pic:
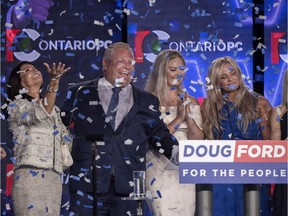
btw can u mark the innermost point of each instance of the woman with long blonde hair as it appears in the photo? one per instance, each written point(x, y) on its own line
point(231, 111)
point(181, 113)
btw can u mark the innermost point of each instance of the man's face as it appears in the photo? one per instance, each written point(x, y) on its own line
point(118, 70)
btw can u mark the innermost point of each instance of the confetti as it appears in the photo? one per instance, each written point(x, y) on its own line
point(128, 142)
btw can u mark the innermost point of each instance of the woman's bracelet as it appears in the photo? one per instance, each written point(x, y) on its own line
point(52, 89)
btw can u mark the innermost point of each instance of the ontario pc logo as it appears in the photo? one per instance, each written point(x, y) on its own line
point(279, 47)
point(19, 42)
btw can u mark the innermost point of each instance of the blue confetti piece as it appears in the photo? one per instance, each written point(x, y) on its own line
point(13, 160)
point(278, 119)
point(106, 19)
point(87, 91)
point(100, 204)
point(30, 206)
point(33, 173)
point(66, 138)
point(55, 132)
point(134, 12)
point(142, 75)
point(23, 116)
point(173, 88)
point(118, 11)
point(232, 86)
point(69, 93)
point(69, 54)
point(262, 127)
point(180, 76)
point(76, 178)
point(182, 68)
point(257, 121)
point(95, 67)
point(88, 206)
point(49, 22)
point(239, 117)
point(107, 166)
point(78, 202)
point(159, 194)
point(151, 122)
point(80, 193)
point(156, 138)
point(153, 180)
point(90, 197)
point(173, 138)
point(177, 126)
point(84, 170)
point(149, 165)
point(81, 116)
point(258, 68)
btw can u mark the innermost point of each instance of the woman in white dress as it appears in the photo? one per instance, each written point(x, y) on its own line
point(181, 113)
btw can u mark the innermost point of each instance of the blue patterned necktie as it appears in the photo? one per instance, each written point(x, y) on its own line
point(111, 112)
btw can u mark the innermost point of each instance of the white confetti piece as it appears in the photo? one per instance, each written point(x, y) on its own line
point(93, 103)
point(45, 101)
point(118, 26)
point(8, 25)
point(74, 109)
point(207, 80)
point(4, 106)
point(193, 82)
point(81, 76)
point(7, 206)
point(262, 17)
point(131, 183)
point(200, 82)
point(87, 180)
point(209, 87)
point(203, 56)
point(186, 102)
point(110, 32)
point(161, 150)
point(18, 96)
point(151, 107)
point(126, 11)
point(89, 120)
point(62, 12)
point(23, 91)
point(192, 88)
point(100, 143)
point(128, 142)
point(81, 175)
point(96, 22)
point(9, 173)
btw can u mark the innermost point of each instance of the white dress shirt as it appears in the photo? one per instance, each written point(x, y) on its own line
point(126, 99)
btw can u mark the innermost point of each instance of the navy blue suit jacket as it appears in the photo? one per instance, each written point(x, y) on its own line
point(141, 125)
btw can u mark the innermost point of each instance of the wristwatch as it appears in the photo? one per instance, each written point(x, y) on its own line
point(52, 89)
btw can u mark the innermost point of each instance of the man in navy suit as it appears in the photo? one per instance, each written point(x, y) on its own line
point(113, 146)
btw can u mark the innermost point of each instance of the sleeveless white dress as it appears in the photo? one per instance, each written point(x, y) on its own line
point(173, 198)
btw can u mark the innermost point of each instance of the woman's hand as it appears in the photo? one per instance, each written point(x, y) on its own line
point(181, 111)
point(56, 72)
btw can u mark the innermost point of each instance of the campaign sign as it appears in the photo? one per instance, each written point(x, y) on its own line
point(233, 161)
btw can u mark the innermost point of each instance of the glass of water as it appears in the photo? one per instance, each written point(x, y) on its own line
point(139, 183)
